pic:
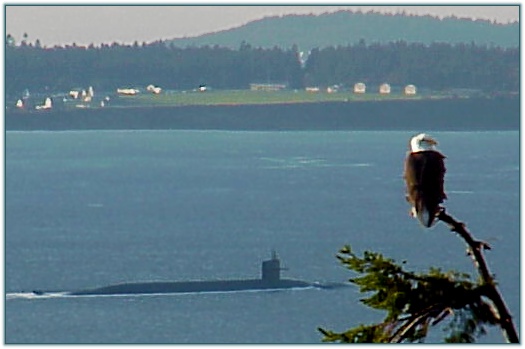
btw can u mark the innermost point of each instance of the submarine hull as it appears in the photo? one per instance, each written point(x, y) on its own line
point(193, 286)
point(270, 280)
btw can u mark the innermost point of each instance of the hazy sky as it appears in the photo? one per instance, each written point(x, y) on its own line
point(61, 24)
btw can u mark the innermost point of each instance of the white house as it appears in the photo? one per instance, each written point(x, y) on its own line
point(127, 91)
point(384, 89)
point(410, 90)
point(312, 89)
point(332, 89)
point(74, 94)
point(48, 104)
point(154, 89)
point(266, 87)
point(359, 88)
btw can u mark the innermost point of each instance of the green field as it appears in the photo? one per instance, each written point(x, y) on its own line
point(237, 97)
point(173, 98)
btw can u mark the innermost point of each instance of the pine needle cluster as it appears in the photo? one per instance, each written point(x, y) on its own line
point(414, 302)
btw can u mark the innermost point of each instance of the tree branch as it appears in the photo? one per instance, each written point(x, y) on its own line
point(415, 320)
point(476, 248)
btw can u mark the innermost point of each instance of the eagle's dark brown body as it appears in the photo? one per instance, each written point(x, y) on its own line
point(424, 176)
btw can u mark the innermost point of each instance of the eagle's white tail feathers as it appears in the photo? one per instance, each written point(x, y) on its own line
point(425, 218)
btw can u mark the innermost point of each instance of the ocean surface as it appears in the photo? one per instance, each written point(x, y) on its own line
point(93, 208)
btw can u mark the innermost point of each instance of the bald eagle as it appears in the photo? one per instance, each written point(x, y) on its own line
point(424, 177)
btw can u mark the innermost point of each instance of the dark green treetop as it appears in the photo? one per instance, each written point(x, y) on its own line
point(414, 302)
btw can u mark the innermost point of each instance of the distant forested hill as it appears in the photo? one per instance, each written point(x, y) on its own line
point(343, 48)
point(347, 27)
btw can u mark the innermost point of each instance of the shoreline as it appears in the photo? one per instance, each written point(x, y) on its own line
point(461, 114)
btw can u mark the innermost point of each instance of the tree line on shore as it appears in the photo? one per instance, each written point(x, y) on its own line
point(436, 66)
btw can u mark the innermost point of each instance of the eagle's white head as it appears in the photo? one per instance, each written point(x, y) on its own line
point(422, 142)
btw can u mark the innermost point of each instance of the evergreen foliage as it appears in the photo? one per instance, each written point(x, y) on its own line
point(344, 28)
point(438, 66)
point(111, 66)
point(414, 302)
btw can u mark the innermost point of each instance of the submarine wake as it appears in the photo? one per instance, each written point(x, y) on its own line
point(37, 295)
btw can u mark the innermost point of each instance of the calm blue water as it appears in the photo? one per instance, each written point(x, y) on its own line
point(86, 209)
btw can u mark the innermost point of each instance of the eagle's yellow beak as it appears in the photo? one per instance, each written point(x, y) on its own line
point(430, 141)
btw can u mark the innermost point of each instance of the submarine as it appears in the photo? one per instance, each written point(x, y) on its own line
point(270, 280)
